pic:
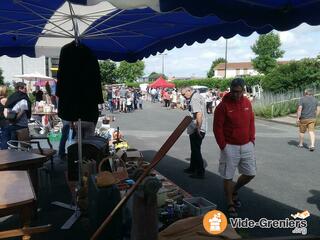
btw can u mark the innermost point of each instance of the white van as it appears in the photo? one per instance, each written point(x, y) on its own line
point(200, 89)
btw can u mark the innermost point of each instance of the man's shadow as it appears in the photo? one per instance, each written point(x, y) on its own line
point(315, 199)
point(205, 162)
point(296, 143)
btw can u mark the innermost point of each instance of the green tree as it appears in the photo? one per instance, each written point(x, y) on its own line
point(292, 76)
point(267, 49)
point(215, 63)
point(1, 77)
point(108, 71)
point(130, 72)
point(154, 76)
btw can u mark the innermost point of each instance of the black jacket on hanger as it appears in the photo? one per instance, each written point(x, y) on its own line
point(79, 84)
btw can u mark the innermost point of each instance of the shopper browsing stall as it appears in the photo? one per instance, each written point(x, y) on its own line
point(18, 111)
point(196, 131)
point(234, 130)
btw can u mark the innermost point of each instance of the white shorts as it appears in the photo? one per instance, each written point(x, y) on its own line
point(237, 156)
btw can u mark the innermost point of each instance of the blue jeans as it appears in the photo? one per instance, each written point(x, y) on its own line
point(110, 103)
point(64, 138)
point(9, 133)
point(2, 139)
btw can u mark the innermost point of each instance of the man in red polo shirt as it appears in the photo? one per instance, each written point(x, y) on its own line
point(234, 130)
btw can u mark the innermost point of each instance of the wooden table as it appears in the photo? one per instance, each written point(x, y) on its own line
point(19, 160)
point(16, 196)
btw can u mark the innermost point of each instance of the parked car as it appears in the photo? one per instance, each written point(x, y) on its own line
point(200, 89)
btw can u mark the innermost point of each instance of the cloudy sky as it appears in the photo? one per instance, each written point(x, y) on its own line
point(195, 60)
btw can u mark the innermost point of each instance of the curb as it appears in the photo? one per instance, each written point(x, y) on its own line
point(276, 121)
point(281, 122)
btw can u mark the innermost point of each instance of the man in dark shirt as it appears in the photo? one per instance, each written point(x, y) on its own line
point(109, 98)
point(38, 94)
point(307, 113)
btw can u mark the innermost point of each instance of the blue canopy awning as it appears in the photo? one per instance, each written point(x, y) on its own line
point(280, 14)
point(117, 30)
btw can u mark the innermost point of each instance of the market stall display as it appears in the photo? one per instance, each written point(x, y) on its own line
point(192, 228)
point(23, 32)
point(44, 117)
point(160, 154)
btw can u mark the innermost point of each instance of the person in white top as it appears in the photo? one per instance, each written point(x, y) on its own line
point(174, 99)
point(17, 110)
point(129, 103)
point(208, 99)
point(153, 94)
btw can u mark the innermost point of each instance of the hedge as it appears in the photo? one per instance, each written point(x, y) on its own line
point(220, 83)
point(133, 84)
point(293, 75)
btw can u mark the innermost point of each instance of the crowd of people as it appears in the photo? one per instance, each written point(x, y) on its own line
point(172, 98)
point(124, 99)
point(16, 109)
point(233, 124)
point(47, 94)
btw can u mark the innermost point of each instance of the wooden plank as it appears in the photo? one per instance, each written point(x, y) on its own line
point(24, 231)
point(16, 189)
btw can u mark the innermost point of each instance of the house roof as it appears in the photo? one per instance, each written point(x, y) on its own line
point(240, 65)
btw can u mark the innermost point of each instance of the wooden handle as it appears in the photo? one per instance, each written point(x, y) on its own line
point(24, 231)
point(100, 164)
point(156, 159)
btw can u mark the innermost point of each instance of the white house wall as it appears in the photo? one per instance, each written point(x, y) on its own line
point(12, 66)
point(232, 73)
point(252, 72)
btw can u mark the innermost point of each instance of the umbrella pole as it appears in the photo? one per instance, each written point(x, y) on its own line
point(79, 153)
point(77, 213)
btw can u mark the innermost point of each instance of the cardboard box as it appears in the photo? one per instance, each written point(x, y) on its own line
point(199, 205)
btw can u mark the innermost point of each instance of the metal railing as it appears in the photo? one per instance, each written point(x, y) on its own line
point(284, 101)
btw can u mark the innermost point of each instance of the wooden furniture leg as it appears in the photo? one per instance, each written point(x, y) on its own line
point(26, 215)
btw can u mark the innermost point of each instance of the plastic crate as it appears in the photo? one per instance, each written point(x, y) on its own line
point(54, 136)
point(199, 205)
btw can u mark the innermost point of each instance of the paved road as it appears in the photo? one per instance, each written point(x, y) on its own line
point(287, 181)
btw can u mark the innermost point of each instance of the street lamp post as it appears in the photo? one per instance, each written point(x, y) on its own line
point(163, 55)
point(225, 59)
point(22, 67)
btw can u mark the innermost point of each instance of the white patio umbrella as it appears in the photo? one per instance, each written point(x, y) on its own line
point(34, 77)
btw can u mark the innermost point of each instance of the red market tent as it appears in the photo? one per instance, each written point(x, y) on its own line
point(161, 83)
